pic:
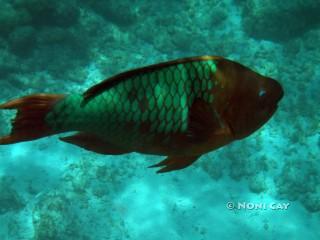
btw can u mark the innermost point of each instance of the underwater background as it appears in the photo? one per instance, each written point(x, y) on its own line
point(50, 190)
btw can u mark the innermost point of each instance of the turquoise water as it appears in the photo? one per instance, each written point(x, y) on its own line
point(50, 190)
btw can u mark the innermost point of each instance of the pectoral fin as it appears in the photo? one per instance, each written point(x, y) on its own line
point(93, 143)
point(205, 122)
point(173, 163)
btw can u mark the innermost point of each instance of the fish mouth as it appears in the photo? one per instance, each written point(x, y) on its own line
point(280, 92)
point(273, 110)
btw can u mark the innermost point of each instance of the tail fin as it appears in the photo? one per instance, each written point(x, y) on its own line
point(29, 123)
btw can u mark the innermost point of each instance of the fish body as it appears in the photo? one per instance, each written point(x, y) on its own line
point(181, 109)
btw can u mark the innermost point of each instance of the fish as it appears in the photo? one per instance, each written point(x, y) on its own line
point(180, 109)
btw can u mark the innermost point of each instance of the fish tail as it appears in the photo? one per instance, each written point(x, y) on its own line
point(30, 121)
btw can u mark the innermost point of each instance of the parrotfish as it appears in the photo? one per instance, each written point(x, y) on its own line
point(181, 109)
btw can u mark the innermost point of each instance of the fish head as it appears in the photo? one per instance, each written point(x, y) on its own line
point(253, 100)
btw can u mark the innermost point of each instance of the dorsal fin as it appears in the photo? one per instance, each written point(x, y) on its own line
point(113, 81)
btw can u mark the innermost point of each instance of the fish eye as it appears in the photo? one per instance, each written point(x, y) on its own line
point(262, 93)
point(262, 100)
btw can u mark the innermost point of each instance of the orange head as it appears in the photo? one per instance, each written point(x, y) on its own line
point(252, 98)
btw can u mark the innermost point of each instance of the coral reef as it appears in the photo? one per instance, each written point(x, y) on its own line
point(300, 180)
point(51, 216)
point(42, 31)
point(10, 200)
point(49, 13)
point(279, 20)
point(257, 183)
point(110, 11)
point(62, 212)
point(213, 166)
point(67, 46)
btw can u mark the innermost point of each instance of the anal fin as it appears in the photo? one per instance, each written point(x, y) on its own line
point(93, 143)
point(172, 163)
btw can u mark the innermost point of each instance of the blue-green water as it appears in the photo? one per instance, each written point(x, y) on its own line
point(50, 190)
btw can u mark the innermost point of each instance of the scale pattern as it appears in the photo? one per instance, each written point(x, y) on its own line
point(160, 99)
